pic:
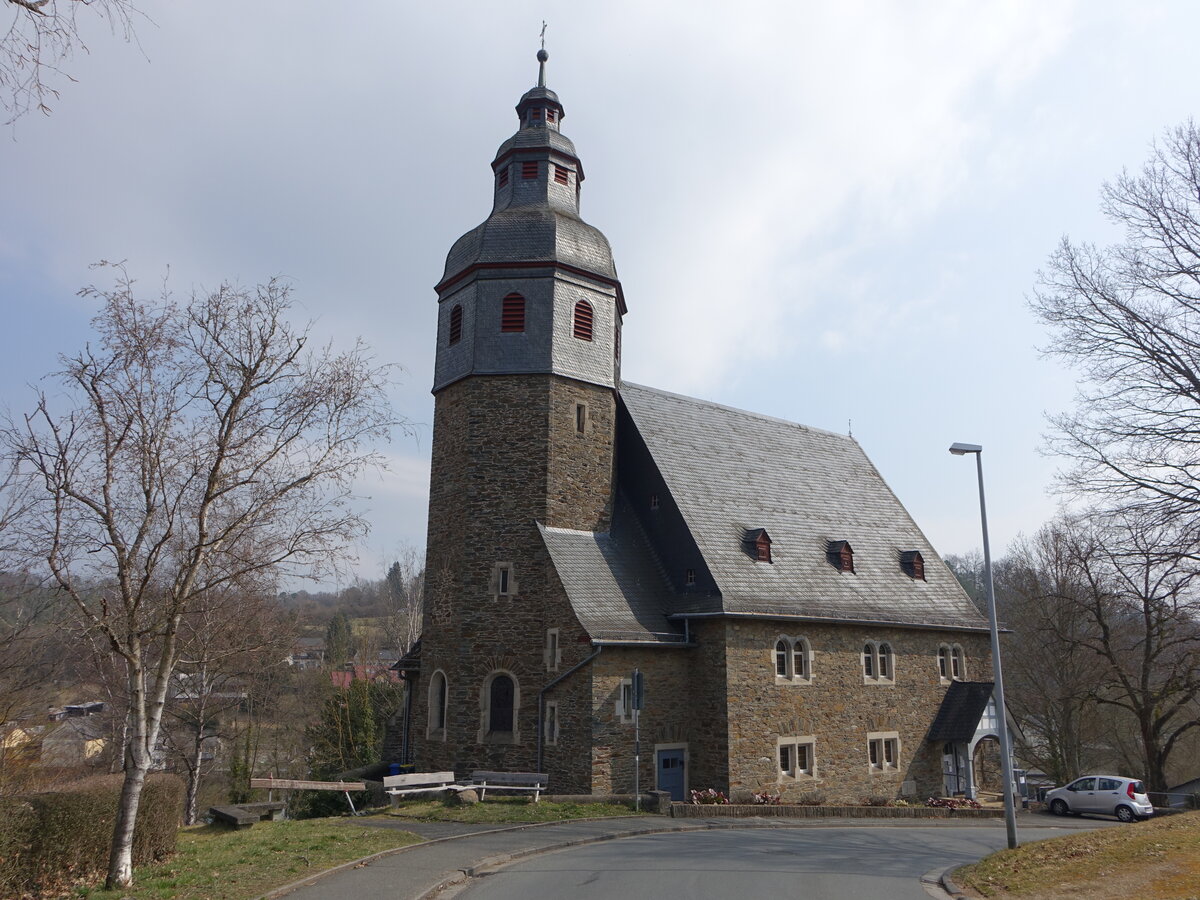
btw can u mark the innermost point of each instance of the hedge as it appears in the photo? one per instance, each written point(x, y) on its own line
point(62, 837)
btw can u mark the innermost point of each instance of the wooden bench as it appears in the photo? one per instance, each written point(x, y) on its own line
point(510, 781)
point(245, 815)
point(398, 786)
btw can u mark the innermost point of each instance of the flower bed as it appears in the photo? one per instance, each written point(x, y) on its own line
point(783, 810)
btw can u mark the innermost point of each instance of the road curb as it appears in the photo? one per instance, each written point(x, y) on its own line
point(367, 860)
point(950, 886)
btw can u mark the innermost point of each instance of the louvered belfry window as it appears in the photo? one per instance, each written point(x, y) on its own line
point(529, 169)
point(560, 174)
point(512, 313)
point(502, 178)
point(456, 324)
point(583, 320)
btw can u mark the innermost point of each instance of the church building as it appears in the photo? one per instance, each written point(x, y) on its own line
point(793, 629)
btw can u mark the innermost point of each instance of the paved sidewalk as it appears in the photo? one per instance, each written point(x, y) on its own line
point(453, 851)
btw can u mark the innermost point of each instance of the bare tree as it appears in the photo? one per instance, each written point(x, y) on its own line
point(40, 37)
point(405, 601)
point(207, 445)
point(1051, 669)
point(1138, 587)
point(227, 638)
point(1127, 318)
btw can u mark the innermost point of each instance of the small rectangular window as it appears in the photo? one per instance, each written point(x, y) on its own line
point(560, 174)
point(502, 178)
point(581, 417)
point(551, 722)
point(883, 751)
point(690, 576)
point(512, 314)
point(553, 653)
point(654, 501)
point(625, 701)
point(529, 170)
point(503, 580)
point(551, 115)
point(785, 760)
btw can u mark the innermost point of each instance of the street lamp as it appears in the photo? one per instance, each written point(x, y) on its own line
point(1010, 813)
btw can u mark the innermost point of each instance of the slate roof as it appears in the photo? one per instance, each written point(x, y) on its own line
point(729, 471)
point(961, 710)
point(532, 234)
point(614, 581)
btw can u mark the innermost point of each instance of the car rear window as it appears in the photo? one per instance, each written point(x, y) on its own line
point(1139, 788)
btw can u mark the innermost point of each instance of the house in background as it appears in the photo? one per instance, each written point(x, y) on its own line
point(792, 627)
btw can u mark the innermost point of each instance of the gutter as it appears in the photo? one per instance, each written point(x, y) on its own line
point(834, 620)
point(571, 671)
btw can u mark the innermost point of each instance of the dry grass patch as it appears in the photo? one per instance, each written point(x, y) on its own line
point(1155, 860)
point(215, 863)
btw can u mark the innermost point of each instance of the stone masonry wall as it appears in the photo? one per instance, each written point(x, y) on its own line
point(838, 708)
point(506, 456)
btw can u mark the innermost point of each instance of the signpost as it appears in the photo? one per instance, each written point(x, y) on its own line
point(638, 695)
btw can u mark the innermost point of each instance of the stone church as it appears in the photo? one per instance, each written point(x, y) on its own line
point(794, 630)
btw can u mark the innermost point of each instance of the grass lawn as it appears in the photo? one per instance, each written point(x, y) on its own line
point(505, 811)
point(221, 864)
point(1154, 860)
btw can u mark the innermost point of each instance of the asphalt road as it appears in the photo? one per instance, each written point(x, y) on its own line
point(814, 863)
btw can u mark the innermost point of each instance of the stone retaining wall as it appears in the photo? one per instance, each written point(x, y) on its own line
point(741, 810)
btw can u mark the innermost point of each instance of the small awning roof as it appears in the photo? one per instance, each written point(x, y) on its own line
point(960, 712)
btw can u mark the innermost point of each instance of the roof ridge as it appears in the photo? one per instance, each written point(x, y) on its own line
point(762, 417)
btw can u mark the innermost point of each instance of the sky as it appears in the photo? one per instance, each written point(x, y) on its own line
point(828, 213)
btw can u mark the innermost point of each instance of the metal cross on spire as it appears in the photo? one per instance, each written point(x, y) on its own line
point(542, 56)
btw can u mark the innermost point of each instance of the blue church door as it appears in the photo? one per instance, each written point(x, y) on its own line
point(672, 776)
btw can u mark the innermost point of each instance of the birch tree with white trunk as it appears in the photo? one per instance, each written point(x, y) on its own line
point(193, 445)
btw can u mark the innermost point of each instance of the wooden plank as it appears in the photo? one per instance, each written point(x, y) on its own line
point(293, 784)
point(414, 778)
point(510, 777)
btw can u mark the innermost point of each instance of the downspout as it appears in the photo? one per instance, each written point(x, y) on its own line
point(571, 671)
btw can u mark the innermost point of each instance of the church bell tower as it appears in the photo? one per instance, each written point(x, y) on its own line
point(525, 382)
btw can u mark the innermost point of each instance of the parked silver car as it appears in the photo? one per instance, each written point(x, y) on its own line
point(1106, 795)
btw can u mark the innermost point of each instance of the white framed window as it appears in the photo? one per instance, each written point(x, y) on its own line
point(793, 660)
point(878, 663)
point(439, 696)
point(582, 419)
point(883, 751)
point(550, 723)
point(952, 663)
point(552, 655)
point(504, 580)
point(625, 702)
point(796, 758)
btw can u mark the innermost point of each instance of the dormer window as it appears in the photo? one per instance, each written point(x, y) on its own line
point(529, 170)
point(757, 544)
point(840, 555)
point(512, 313)
point(913, 564)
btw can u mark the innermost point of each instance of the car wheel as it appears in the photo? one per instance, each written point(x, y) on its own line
point(1059, 808)
point(1125, 814)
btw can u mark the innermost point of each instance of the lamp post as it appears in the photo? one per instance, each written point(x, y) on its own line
point(1010, 813)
